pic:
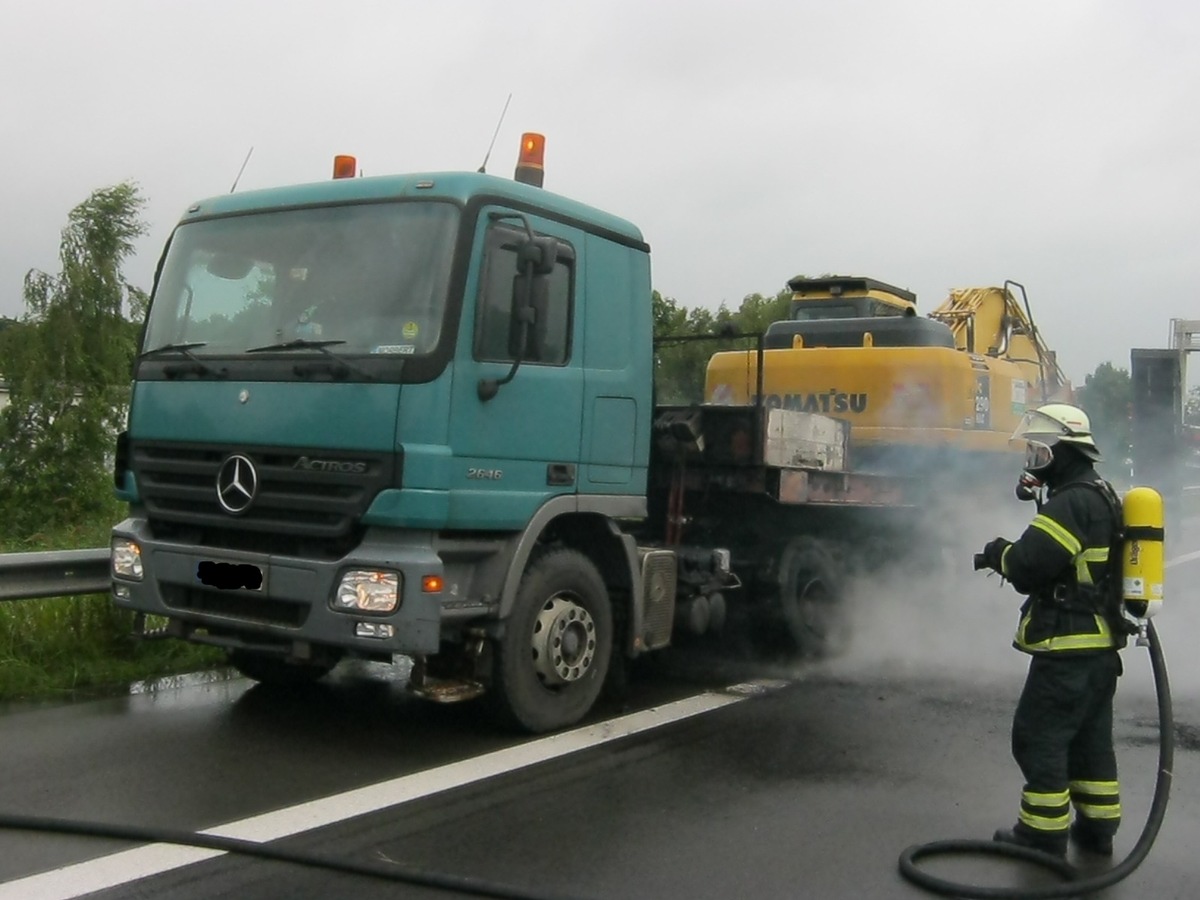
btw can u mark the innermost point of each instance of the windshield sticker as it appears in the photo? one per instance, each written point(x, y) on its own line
point(411, 329)
point(398, 349)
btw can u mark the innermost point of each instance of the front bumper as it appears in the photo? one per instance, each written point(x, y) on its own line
point(292, 607)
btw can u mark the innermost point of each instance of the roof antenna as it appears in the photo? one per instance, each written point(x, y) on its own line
point(483, 166)
point(241, 170)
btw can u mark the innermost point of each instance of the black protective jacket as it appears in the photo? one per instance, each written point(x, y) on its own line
point(1060, 561)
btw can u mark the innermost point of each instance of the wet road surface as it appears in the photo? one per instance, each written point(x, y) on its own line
point(810, 788)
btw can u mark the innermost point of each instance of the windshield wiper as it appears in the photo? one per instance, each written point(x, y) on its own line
point(197, 366)
point(297, 344)
point(184, 348)
point(337, 368)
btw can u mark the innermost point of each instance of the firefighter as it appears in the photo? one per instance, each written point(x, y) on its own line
point(1063, 562)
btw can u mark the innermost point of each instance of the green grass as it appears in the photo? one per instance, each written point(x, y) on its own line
point(64, 646)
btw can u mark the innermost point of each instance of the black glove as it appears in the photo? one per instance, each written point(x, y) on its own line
point(993, 553)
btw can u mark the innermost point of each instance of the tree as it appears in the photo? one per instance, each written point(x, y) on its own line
point(679, 362)
point(682, 353)
point(757, 311)
point(67, 363)
point(1106, 396)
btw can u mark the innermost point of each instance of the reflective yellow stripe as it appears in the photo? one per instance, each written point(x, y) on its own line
point(1105, 811)
point(1004, 560)
point(1101, 640)
point(1096, 788)
point(1044, 823)
point(1063, 537)
point(1083, 574)
point(1046, 811)
point(1060, 798)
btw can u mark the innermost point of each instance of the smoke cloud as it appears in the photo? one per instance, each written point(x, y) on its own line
point(936, 617)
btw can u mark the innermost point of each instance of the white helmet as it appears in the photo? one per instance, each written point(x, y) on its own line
point(1046, 426)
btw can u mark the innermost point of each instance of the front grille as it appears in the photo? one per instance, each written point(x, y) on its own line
point(235, 606)
point(266, 543)
point(178, 485)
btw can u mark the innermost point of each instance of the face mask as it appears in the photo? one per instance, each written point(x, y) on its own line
point(1037, 456)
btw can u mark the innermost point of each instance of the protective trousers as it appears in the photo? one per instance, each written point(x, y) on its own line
point(1062, 740)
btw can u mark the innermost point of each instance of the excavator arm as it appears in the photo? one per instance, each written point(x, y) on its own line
point(989, 321)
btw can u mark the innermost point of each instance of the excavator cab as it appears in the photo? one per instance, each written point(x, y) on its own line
point(842, 297)
point(840, 311)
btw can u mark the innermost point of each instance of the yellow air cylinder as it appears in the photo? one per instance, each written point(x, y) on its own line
point(1142, 563)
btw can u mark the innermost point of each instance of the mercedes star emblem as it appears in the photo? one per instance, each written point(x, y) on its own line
point(237, 483)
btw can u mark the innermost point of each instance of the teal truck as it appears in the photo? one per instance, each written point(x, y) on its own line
point(413, 416)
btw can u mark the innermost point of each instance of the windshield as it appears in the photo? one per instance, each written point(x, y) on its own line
point(372, 277)
point(812, 310)
point(815, 310)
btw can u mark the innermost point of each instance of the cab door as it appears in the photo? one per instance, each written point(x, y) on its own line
point(515, 435)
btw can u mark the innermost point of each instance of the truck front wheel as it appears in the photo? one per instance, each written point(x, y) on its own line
point(551, 662)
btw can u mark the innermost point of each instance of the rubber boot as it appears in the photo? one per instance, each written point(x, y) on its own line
point(1021, 837)
point(1091, 841)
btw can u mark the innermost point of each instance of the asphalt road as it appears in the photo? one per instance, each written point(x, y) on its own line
point(807, 784)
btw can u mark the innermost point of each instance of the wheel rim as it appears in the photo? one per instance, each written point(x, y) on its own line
point(814, 609)
point(564, 641)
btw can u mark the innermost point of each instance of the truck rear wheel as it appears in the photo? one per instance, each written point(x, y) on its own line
point(550, 665)
point(811, 585)
point(267, 669)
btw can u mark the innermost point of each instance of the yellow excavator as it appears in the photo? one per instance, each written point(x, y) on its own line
point(920, 392)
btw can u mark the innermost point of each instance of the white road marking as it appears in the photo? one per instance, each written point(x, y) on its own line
point(142, 862)
point(1187, 557)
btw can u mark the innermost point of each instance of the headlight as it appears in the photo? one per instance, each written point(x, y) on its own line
point(127, 559)
point(368, 590)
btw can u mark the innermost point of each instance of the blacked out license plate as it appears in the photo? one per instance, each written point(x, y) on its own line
point(229, 576)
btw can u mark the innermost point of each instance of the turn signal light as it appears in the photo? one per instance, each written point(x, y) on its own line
point(432, 584)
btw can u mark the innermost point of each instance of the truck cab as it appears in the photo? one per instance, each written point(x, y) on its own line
point(395, 416)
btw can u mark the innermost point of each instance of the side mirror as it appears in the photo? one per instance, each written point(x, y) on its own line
point(541, 251)
point(530, 316)
point(536, 257)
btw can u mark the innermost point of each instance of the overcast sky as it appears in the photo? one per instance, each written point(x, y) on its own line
point(928, 143)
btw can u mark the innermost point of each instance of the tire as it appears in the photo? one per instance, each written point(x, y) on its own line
point(275, 670)
point(811, 588)
point(551, 663)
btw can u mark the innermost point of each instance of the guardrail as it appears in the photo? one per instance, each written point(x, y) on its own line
point(54, 573)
